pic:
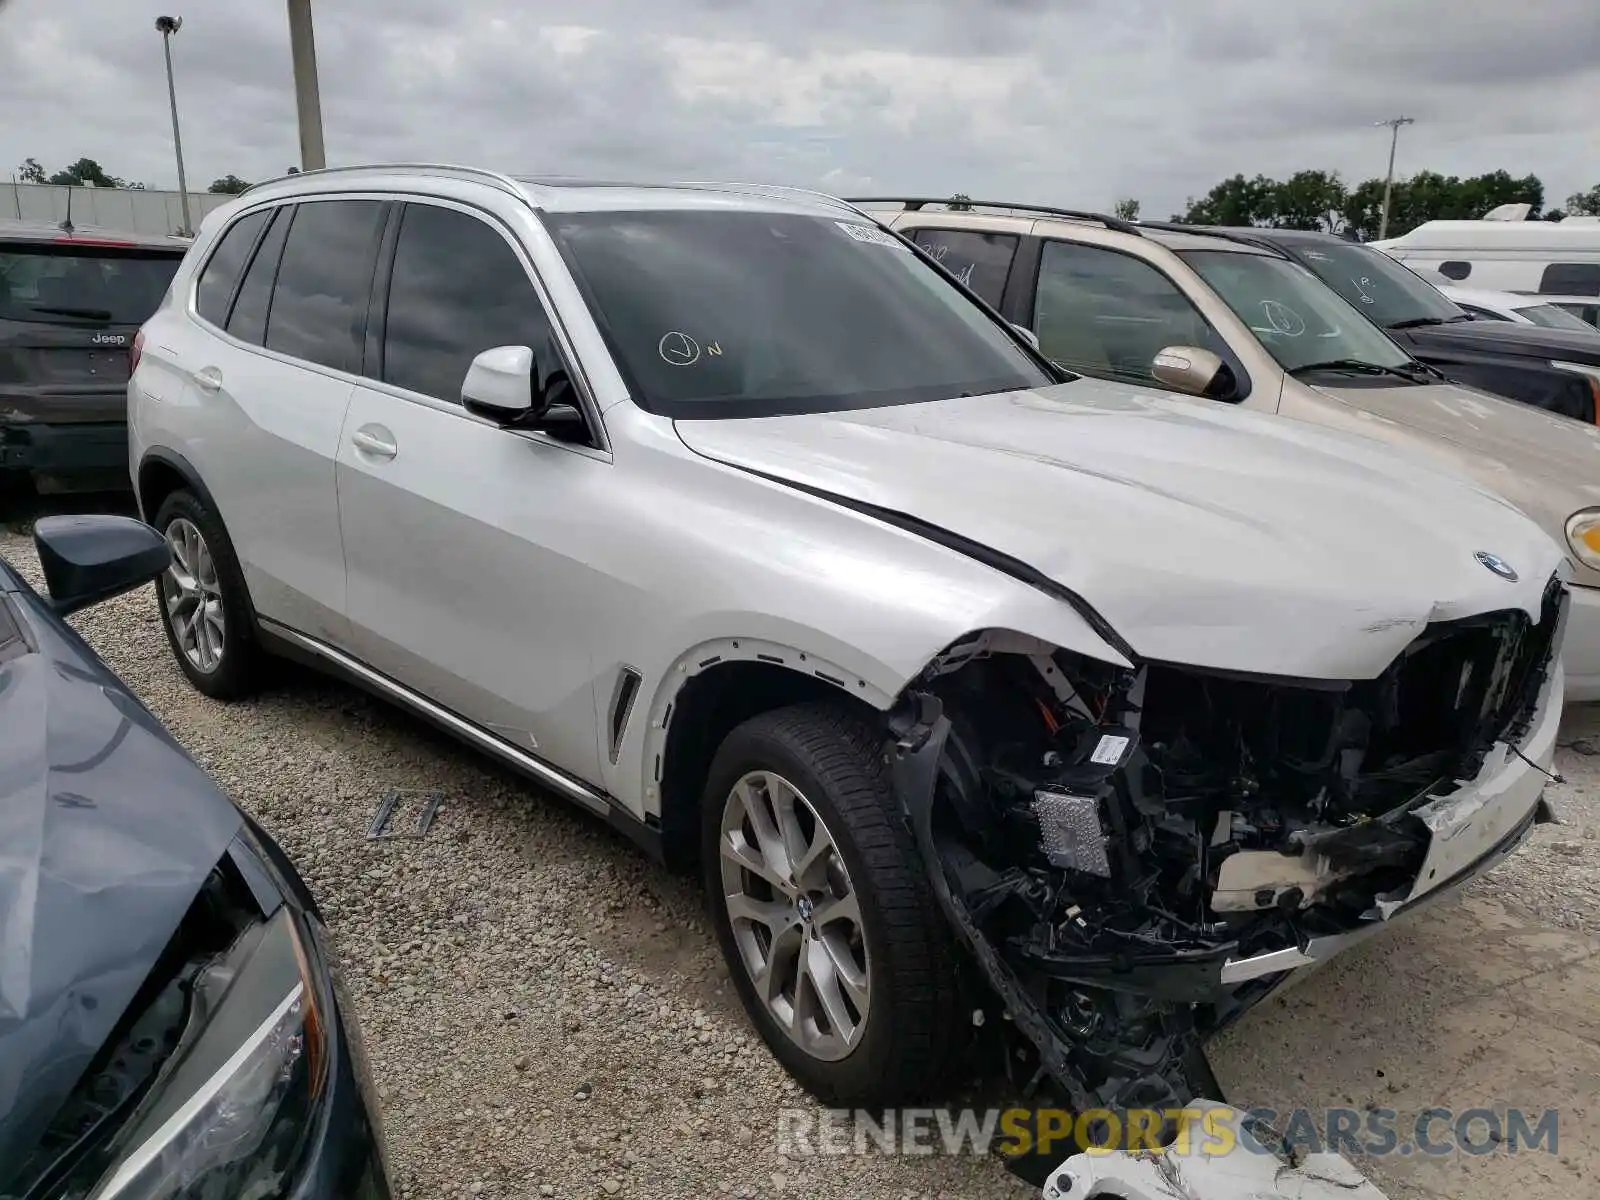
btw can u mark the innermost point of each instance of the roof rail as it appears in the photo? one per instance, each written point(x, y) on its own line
point(777, 191)
point(1244, 235)
point(504, 182)
point(918, 203)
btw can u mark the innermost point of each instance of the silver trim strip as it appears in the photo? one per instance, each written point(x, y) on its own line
point(594, 801)
point(158, 1141)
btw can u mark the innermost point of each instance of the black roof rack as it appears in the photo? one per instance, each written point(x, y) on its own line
point(1244, 235)
point(918, 203)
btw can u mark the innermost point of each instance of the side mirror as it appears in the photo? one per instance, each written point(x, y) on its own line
point(500, 385)
point(1188, 369)
point(90, 559)
point(1028, 335)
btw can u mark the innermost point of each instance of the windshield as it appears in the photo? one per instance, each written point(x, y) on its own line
point(1299, 320)
point(1384, 291)
point(1552, 317)
point(738, 314)
point(46, 286)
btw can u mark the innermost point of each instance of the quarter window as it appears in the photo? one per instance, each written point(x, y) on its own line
point(248, 321)
point(1571, 279)
point(1455, 270)
point(982, 261)
point(457, 289)
point(319, 306)
point(220, 275)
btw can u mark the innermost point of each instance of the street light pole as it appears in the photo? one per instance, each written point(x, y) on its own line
point(169, 26)
point(307, 101)
point(1394, 124)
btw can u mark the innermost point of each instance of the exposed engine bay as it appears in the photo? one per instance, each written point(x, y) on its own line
point(1106, 841)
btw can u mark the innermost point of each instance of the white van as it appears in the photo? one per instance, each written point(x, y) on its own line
point(1558, 258)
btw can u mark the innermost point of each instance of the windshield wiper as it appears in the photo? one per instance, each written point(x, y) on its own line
point(1418, 322)
point(1358, 366)
point(88, 314)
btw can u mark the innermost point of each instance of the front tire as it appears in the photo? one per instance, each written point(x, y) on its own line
point(822, 908)
point(203, 603)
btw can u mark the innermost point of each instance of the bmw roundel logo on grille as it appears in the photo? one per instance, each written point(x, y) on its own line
point(1496, 564)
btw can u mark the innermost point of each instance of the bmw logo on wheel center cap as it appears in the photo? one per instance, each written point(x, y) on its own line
point(1496, 564)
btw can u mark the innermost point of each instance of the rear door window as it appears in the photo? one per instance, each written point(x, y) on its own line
point(218, 278)
point(982, 261)
point(319, 306)
point(1571, 279)
point(68, 285)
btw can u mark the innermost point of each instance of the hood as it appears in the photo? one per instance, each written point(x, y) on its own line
point(1506, 437)
point(1503, 337)
point(1548, 465)
point(107, 832)
point(1202, 534)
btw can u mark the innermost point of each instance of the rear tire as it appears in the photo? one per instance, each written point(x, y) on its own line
point(830, 930)
point(204, 606)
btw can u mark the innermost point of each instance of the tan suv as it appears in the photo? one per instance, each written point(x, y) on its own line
point(1243, 324)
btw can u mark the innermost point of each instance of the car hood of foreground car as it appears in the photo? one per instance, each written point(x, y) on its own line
point(1203, 534)
point(107, 832)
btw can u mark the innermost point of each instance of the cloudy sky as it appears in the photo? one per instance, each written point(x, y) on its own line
point(1074, 102)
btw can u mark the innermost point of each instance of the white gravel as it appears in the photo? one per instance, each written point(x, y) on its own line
point(545, 1009)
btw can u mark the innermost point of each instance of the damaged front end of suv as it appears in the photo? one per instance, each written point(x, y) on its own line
point(1133, 857)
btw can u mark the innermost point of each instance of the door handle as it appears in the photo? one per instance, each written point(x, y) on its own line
point(374, 440)
point(208, 379)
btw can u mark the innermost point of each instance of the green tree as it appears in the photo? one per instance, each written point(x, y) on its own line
point(1584, 204)
point(1478, 194)
point(960, 202)
point(86, 170)
point(1127, 208)
point(1309, 200)
point(30, 171)
point(228, 185)
point(1235, 201)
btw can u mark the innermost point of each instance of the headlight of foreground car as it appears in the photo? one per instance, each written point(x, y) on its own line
point(230, 1115)
point(1583, 535)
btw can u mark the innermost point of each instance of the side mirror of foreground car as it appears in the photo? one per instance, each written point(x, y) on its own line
point(1190, 370)
point(90, 559)
point(500, 385)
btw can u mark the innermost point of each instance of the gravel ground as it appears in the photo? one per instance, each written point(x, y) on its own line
point(545, 1009)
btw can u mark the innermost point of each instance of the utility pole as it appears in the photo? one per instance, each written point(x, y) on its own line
point(167, 27)
point(307, 100)
point(1394, 124)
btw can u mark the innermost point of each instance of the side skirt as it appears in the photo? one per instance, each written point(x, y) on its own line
point(308, 651)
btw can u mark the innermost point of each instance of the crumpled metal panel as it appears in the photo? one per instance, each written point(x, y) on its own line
point(107, 831)
point(1184, 1171)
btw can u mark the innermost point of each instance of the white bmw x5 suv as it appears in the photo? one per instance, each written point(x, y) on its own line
point(969, 686)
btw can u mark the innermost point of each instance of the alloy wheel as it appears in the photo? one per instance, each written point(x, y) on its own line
point(192, 596)
point(796, 917)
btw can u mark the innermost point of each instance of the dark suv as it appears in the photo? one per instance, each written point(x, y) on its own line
point(1555, 369)
point(71, 301)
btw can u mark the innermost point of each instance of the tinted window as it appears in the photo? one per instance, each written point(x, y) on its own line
point(1455, 270)
point(457, 289)
point(715, 314)
point(1105, 313)
point(319, 307)
point(1380, 288)
point(248, 321)
point(52, 285)
point(980, 260)
point(1571, 279)
point(223, 268)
